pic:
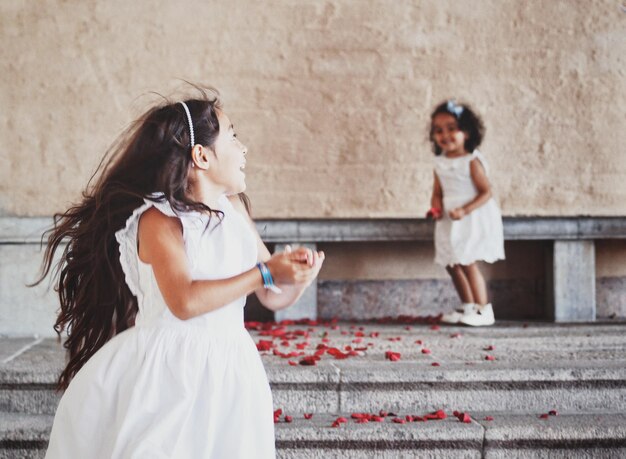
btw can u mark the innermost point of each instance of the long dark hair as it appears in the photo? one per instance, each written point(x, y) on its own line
point(468, 121)
point(152, 155)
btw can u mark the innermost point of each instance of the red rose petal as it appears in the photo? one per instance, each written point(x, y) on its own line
point(553, 413)
point(488, 418)
point(490, 357)
point(382, 413)
point(264, 345)
point(341, 419)
point(435, 327)
point(398, 421)
point(292, 363)
point(335, 424)
point(378, 418)
point(425, 351)
point(309, 360)
point(456, 335)
point(464, 417)
point(544, 416)
point(439, 414)
point(456, 413)
point(362, 421)
point(419, 341)
point(435, 364)
point(288, 419)
point(393, 356)
point(490, 348)
point(308, 415)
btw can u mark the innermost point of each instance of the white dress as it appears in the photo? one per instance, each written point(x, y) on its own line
point(168, 388)
point(478, 235)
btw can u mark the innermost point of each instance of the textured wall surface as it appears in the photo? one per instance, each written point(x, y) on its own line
point(332, 98)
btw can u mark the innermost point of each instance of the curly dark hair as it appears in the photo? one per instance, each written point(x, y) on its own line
point(467, 120)
point(152, 155)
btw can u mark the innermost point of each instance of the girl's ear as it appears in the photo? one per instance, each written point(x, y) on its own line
point(200, 157)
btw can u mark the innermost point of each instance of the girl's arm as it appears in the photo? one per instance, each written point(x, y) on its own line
point(309, 261)
point(481, 182)
point(436, 200)
point(161, 245)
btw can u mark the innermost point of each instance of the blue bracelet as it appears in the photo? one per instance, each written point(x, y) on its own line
point(268, 281)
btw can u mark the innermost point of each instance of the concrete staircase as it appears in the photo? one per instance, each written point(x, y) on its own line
point(579, 371)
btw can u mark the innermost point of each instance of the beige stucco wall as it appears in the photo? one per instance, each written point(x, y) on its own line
point(332, 97)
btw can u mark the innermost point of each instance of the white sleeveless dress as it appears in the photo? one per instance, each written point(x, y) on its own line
point(168, 388)
point(478, 235)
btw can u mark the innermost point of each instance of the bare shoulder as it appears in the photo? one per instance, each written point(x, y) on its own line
point(156, 230)
point(153, 219)
point(476, 166)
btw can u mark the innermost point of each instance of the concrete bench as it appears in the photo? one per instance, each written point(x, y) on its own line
point(570, 282)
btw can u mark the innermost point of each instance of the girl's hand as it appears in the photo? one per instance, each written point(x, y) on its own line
point(458, 213)
point(434, 213)
point(310, 258)
point(295, 267)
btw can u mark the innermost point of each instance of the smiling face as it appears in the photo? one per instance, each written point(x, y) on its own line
point(229, 160)
point(447, 135)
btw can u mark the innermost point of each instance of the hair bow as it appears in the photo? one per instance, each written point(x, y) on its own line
point(455, 108)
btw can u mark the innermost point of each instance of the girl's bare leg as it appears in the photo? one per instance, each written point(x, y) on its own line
point(476, 283)
point(461, 283)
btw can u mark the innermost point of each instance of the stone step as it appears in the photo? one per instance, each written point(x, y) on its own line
point(524, 435)
point(538, 367)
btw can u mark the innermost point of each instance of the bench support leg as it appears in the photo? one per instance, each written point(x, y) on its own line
point(306, 306)
point(571, 282)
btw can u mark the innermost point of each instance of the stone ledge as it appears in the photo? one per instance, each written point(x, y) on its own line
point(28, 230)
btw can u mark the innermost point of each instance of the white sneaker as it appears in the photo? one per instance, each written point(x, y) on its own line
point(455, 316)
point(480, 316)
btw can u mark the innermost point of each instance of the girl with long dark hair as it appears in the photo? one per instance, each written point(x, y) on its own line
point(159, 257)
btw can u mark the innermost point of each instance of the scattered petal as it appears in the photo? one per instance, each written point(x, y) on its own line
point(264, 345)
point(544, 416)
point(288, 419)
point(488, 418)
point(393, 356)
point(435, 327)
point(439, 414)
point(292, 363)
point(398, 421)
point(491, 347)
point(308, 415)
point(490, 357)
point(435, 364)
point(309, 360)
point(553, 413)
point(425, 351)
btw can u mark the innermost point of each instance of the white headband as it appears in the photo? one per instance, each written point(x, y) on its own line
point(190, 123)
